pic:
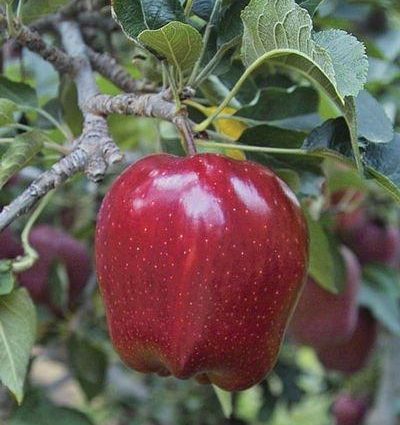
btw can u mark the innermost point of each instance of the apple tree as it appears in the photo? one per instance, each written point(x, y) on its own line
point(199, 216)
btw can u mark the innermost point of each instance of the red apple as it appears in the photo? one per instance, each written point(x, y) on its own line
point(322, 318)
point(371, 240)
point(200, 262)
point(351, 356)
point(54, 246)
point(349, 410)
point(9, 246)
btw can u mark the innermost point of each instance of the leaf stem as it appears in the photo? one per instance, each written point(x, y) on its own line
point(173, 87)
point(48, 145)
point(258, 62)
point(206, 38)
point(19, 8)
point(209, 68)
point(350, 116)
point(249, 148)
point(30, 255)
point(10, 20)
point(204, 124)
point(188, 7)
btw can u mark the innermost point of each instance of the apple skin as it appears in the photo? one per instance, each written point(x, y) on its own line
point(371, 240)
point(9, 247)
point(54, 245)
point(351, 356)
point(322, 318)
point(349, 410)
point(200, 262)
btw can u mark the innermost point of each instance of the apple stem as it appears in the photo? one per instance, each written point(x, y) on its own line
point(185, 129)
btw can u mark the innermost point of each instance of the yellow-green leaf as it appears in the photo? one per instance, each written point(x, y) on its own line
point(180, 44)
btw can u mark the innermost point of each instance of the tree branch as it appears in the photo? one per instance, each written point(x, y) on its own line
point(94, 151)
point(107, 66)
point(103, 63)
point(34, 42)
point(145, 105)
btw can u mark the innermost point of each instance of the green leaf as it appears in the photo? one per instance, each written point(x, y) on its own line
point(277, 103)
point(381, 163)
point(172, 146)
point(225, 400)
point(349, 60)
point(17, 336)
point(203, 8)
point(268, 135)
point(230, 26)
point(7, 109)
point(343, 179)
point(24, 147)
point(89, 364)
point(36, 410)
point(350, 116)
point(381, 294)
point(180, 44)
point(373, 123)
point(326, 262)
point(7, 279)
point(35, 9)
point(59, 286)
point(19, 93)
point(280, 32)
point(385, 183)
point(136, 16)
point(310, 5)
point(384, 158)
point(230, 77)
point(290, 177)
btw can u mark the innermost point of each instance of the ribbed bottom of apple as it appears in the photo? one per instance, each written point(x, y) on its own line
point(228, 381)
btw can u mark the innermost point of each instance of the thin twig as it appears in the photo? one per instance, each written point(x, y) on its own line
point(34, 42)
point(107, 66)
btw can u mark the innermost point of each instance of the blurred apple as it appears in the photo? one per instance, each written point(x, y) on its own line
point(9, 246)
point(351, 356)
point(323, 318)
point(372, 240)
point(349, 410)
point(56, 247)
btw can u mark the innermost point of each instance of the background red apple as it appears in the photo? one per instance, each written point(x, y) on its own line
point(10, 247)
point(372, 240)
point(351, 356)
point(349, 410)
point(54, 246)
point(200, 261)
point(322, 318)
